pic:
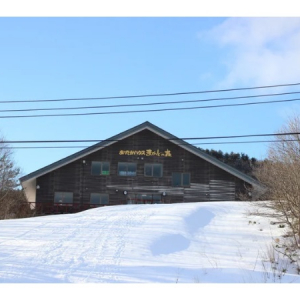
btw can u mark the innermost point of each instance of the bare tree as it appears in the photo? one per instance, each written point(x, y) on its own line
point(12, 199)
point(280, 173)
point(8, 170)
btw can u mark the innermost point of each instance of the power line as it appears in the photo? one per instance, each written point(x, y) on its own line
point(153, 95)
point(149, 104)
point(246, 142)
point(150, 110)
point(169, 139)
point(213, 143)
point(45, 147)
point(242, 136)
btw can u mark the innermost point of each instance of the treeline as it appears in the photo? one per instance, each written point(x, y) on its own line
point(240, 161)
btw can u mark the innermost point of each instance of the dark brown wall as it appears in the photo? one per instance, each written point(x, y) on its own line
point(208, 182)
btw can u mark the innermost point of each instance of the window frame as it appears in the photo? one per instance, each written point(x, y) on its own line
point(101, 168)
point(127, 165)
point(152, 168)
point(100, 200)
point(182, 174)
point(61, 202)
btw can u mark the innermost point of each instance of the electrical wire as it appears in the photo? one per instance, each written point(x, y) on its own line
point(246, 142)
point(169, 139)
point(194, 144)
point(153, 95)
point(150, 110)
point(148, 104)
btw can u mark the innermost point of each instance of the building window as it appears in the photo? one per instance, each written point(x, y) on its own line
point(100, 168)
point(63, 197)
point(126, 169)
point(181, 179)
point(153, 170)
point(99, 198)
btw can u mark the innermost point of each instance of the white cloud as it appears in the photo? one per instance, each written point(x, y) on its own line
point(259, 50)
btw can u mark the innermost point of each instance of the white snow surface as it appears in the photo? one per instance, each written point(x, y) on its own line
point(204, 242)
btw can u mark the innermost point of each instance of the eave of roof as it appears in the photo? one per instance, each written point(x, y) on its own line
point(129, 132)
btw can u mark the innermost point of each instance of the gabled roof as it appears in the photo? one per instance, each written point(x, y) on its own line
point(134, 130)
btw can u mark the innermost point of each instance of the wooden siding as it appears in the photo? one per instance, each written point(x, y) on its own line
point(208, 182)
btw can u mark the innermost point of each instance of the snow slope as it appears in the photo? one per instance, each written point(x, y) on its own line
point(191, 242)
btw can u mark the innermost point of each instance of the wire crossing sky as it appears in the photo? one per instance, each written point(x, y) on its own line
point(170, 139)
point(155, 95)
point(150, 110)
point(157, 103)
point(194, 144)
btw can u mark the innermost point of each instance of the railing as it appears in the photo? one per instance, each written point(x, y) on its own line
point(48, 208)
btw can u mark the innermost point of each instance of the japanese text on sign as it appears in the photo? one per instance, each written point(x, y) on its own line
point(148, 152)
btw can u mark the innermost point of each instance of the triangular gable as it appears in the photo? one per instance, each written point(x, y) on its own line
point(132, 131)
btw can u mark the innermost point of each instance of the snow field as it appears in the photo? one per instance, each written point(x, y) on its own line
point(167, 243)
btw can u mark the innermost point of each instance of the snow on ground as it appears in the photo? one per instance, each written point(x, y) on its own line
point(215, 242)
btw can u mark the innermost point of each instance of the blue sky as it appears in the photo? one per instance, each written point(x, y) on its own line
point(54, 58)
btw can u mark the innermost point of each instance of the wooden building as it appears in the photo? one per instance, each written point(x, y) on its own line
point(144, 164)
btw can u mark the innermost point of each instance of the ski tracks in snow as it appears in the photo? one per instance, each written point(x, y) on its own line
point(90, 251)
point(108, 248)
